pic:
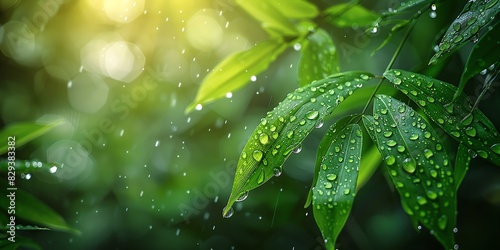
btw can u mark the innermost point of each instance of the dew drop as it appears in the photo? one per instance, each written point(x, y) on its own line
point(421, 200)
point(391, 143)
point(442, 221)
point(277, 172)
point(409, 166)
point(331, 177)
point(328, 185)
point(297, 149)
point(297, 46)
point(319, 124)
point(311, 115)
point(390, 160)
point(264, 138)
point(198, 107)
point(242, 197)
point(397, 81)
point(257, 155)
point(253, 78)
point(261, 177)
point(401, 149)
point(455, 134)
point(471, 131)
point(347, 191)
point(431, 194)
point(413, 137)
point(496, 148)
point(229, 213)
point(388, 133)
point(482, 153)
point(428, 153)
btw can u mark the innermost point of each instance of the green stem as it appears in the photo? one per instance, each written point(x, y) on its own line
point(393, 59)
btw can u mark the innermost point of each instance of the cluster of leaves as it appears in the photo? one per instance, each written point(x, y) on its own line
point(419, 165)
point(28, 208)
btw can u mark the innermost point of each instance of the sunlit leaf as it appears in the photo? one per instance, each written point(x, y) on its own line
point(417, 165)
point(29, 208)
point(285, 127)
point(296, 9)
point(462, 162)
point(270, 16)
point(323, 147)
point(318, 58)
point(24, 132)
point(335, 189)
point(27, 166)
point(349, 15)
point(370, 160)
point(474, 16)
point(466, 125)
point(483, 55)
point(236, 71)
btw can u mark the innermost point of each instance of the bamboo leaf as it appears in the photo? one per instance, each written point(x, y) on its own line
point(335, 189)
point(285, 127)
point(463, 123)
point(347, 15)
point(318, 58)
point(474, 16)
point(483, 55)
point(462, 162)
point(25, 132)
point(236, 70)
point(417, 164)
point(404, 6)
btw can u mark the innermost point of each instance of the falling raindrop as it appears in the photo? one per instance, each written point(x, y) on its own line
point(277, 172)
point(297, 149)
point(253, 78)
point(229, 213)
point(53, 169)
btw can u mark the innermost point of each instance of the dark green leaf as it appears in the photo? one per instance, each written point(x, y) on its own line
point(270, 17)
point(323, 147)
point(349, 15)
point(318, 58)
point(466, 125)
point(474, 16)
point(404, 6)
point(286, 126)
point(20, 243)
point(335, 189)
point(29, 208)
point(394, 29)
point(417, 164)
point(484, 54)
point(236, 70)
point(25, 132)
point(462, 162)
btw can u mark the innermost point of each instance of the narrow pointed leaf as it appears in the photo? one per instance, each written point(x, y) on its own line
point(270, 16)
point(323, 147)
point(347, 15)
point(394, 29)
point(23, 166)
point(335, 189)
point(462, 162)
point(25, 132)
point(463, 123)
point(474, 16)
point(318, 58)
point(404, 6)
point(29, 208)
point(370, 160)
point(417, 164)
point(236, 70)
point(296, 9)
point(483, 55)
point(286, 126)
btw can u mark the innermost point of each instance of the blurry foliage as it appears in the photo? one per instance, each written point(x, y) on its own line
point(96, 94)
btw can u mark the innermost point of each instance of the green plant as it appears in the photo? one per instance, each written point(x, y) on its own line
point(419, 161)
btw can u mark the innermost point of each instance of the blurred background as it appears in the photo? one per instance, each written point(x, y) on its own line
point(136, 172)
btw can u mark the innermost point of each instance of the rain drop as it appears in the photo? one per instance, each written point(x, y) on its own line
point(264, 138)
point(297, 149)
point(409, 166)
point(257, 155)
point(198, 107)
point(311, 115)
point(496, 148)
point(277, 172)
point(253, 78)
point(390, 160)
point(229, 213)
point(242, 197)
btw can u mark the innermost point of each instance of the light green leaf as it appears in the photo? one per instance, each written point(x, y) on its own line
point(24, 132)
point(323, 147)
point(484, 54)
point(27, 166)
point(335, 189)
point(296, 9)
point(318, 58)
point(370, 160)
point(348, 15)
point(285, 127)
point(474, 16)
point(236, 70)
point(462, 162)
point(463, 123)
point(29, 208)
point(417, 164)
point(270, 16)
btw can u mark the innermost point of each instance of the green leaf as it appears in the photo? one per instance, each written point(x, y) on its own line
point(404, 6)
point(20, 243)
point(474, 16)
point(394, 29)
point(29, 208)
point(463, 123)
point(484, 54)
point(370, 160)
point(24, 166)
point(349, 15)
point(323, 147)
point(24, 132)
point(270, 16)
point(286, 126)
point(462, 162)
point(318, 58)
point(296, 9)
point(335, 189)
point(417, 165)
point(236, 70)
